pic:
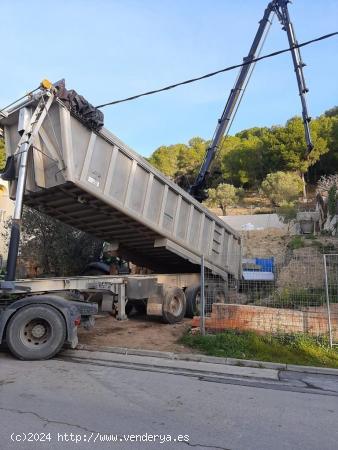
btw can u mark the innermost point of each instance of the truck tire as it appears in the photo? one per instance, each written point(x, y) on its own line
point(220, 293)
point(193, 296)
point(137, 306)
point(92, 272)
point(36, 332)
point(174, 305)
point(213, 294)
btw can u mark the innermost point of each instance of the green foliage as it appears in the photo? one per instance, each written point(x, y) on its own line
point(223, 196)
point(175, 160)
point(331, 112)
point(282, 187)
point(332, 200)
point(287, 212)
point(284, 348)
point(292, 145)
point(292, 298)
point(57, 248)
point(248, 157)
point(2, 154)
point(296, 243)
point(165, 159)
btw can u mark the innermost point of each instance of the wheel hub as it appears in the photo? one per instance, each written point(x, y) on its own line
point(175, 306)
point(38, 331)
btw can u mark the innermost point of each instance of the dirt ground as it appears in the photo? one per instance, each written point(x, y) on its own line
point(265, 243)
point(140, 332)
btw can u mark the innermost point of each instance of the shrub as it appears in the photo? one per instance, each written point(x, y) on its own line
point(282, 187)
point(223, 196)
point(332, 200)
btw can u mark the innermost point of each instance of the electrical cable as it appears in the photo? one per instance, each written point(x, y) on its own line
point(211, 74)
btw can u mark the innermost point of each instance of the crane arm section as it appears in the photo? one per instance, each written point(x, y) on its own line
point(279, 7)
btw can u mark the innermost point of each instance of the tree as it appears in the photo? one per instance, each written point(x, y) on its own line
point(327, 128)
point(248, 157)
point(58, 249)
point(2, 154)
point(242, 165)
point(190, 158)
point(180, 161)
point(331, 112)
point(223, 196)
point(282, 188)
point(165, 159)
point(292, 146)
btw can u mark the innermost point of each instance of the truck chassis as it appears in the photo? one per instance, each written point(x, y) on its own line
point(40, 315)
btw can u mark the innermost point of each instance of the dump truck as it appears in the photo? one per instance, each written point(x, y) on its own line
point(61, 161)
point(64, 163)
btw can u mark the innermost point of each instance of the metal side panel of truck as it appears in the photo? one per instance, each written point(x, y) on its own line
point(96, 183)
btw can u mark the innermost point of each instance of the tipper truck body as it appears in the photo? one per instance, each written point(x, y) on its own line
point(88, 178)
point(94, 182)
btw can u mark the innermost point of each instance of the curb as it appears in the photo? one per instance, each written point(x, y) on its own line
point(210, 359)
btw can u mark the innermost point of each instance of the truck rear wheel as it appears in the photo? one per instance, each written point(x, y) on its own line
point(174, 305)
point(36, 332)
point(213, 294)
point(193, 295)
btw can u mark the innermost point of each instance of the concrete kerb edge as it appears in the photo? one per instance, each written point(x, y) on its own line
point(211, 359)
point(207, 359)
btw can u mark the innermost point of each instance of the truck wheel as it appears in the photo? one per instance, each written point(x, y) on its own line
point(129, 307)
point(193, 295)
point(92, 272)
point(139, 306)
point(220, 294)
point(213, 294)
point(174, 305)
point(36, 332)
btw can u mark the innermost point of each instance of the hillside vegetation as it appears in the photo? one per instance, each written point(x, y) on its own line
point(245, 159)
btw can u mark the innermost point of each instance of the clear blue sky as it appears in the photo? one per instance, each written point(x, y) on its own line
point(108, 49)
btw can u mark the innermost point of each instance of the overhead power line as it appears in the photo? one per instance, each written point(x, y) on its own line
point(212, 74)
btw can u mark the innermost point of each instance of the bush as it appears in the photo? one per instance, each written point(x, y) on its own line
point(332, 200)
point(223, 196)
point(282, 188)
point(56, 248)
point(296, 243)
point(287, 213)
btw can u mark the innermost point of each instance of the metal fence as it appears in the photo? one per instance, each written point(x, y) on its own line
point(331, 294)
point(293, 293)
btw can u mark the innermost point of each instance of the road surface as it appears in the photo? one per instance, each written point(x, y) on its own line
point(92, 400)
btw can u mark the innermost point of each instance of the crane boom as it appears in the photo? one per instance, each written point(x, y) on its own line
point(280, 8)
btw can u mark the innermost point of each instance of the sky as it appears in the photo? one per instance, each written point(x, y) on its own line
point(110, 49)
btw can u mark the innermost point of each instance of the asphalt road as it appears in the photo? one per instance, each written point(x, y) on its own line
point(87, 397)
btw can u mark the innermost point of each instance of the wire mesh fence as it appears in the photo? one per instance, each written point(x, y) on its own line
point(293, 293)
point(331, 293)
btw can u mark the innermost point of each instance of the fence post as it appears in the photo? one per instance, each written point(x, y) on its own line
point(202, 306)
point(328, 302)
